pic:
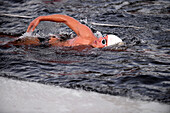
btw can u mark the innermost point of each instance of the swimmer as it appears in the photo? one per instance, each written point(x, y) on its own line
point(84, 34)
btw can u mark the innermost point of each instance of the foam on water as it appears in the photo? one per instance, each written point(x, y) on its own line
point(28, 35)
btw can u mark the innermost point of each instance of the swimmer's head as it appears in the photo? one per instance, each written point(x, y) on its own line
point(112, 40)
point(108, 41)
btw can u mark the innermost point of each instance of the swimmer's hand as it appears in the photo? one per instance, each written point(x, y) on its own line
point(34, 24)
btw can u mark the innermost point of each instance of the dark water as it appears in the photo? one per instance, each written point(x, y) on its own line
point(140, 69)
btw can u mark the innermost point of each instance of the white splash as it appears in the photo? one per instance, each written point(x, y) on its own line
point(29, 35)
point(98, 34)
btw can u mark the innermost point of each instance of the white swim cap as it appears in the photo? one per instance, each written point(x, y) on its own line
point(113, 39)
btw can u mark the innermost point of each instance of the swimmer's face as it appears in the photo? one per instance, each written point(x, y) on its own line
point(101, 42)
point(107, 41)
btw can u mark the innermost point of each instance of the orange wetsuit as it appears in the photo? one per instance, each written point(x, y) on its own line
point(84, 34)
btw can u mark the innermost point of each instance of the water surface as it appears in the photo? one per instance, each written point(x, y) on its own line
point(140, 69)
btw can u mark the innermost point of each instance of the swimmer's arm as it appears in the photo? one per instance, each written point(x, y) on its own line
point(73, 24)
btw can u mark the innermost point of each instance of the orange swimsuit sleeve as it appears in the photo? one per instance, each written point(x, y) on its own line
point(69, 21)
point(83, 32)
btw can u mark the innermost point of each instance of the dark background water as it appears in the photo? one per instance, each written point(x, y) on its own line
point(140, 69)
